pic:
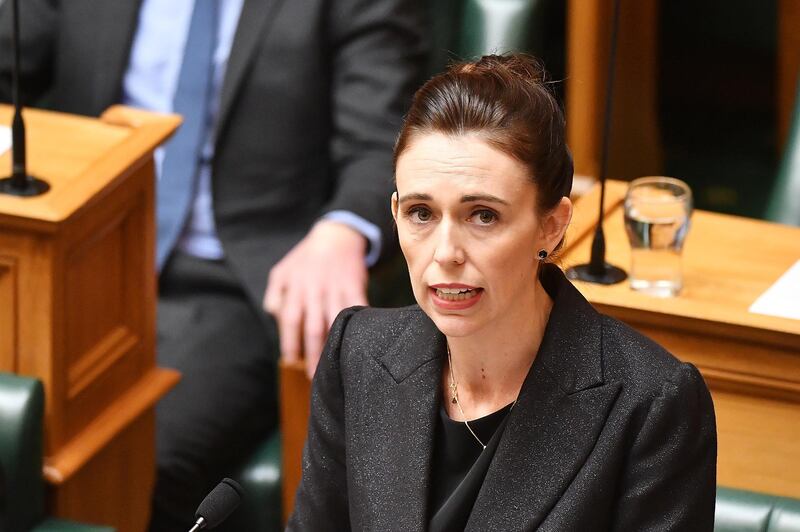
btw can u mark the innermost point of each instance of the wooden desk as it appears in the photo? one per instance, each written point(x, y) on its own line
point(751, 362)
point(77, 306)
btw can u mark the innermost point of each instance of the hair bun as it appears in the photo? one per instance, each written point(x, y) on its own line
point(523, 67)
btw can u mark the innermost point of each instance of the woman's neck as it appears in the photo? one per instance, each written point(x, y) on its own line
point(491, 365)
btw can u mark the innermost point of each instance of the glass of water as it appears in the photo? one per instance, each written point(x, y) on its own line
point(657, 214)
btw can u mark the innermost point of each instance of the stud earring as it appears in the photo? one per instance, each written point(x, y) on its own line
point(542, 254)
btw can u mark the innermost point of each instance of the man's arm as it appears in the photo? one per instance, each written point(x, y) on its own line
point(377, 56)
point(38, 33)
point(379, 53)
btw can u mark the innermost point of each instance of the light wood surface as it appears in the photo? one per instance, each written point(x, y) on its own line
point(295, 399)
point(77, 266)
point(751, 362)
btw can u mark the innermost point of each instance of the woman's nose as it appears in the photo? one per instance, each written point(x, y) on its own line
point(448, 250)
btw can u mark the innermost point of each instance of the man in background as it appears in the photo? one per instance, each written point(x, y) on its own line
point(273, 194)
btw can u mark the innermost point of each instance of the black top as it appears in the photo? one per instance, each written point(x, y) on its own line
point(459, 466)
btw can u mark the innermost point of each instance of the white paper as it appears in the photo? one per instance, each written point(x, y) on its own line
point(5, 138)
point(782, 299)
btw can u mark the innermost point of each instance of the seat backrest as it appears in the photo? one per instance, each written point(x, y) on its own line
point(467, 29)
point(21, 412)
point(784, 204)
point(745, 511)
point(498, 26)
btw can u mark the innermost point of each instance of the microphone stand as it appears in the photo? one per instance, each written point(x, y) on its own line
point(598, 270)
point(20, 183)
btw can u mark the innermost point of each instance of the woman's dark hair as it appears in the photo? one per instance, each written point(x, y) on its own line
point(506, 100)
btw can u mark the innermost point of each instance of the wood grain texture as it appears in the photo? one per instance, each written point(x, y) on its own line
point(751, 362)
point(114, 487)
point(636, 141)
point(116, 417)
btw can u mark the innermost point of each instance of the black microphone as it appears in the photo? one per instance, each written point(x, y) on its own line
point(19, 183)
point(218, 505)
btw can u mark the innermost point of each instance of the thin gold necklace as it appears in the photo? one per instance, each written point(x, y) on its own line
point(455, 401)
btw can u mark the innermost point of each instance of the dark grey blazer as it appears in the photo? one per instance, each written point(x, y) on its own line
point(610, 432)
point(313, 97)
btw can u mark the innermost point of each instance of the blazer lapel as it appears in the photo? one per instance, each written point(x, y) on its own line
point(250, 31)
point(402, 419)
point(561, 410)
point(116, 24)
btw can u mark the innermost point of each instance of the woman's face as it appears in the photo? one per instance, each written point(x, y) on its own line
point(469, 229)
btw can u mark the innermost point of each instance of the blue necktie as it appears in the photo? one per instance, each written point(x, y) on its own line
point(176, 184)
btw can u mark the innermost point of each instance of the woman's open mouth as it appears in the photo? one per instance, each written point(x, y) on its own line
point(455, 296)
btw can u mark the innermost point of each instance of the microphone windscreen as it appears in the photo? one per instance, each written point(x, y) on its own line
point(220, 503)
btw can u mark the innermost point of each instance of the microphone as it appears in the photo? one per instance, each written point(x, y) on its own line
point(598, 270)
point(20, 183)
point(218, 505)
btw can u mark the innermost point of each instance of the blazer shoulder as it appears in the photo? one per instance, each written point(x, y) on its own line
point(401, 340)
point(376, 329)
point(382, 325)
point(642, 365)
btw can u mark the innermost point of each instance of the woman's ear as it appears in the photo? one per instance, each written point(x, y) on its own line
point(556, 223)
point(394, 206)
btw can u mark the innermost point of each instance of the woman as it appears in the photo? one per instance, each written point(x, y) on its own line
point(503, 401)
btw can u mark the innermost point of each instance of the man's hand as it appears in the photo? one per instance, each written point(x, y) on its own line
point(323, 274)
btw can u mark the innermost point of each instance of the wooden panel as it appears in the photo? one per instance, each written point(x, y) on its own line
point(295, 401)
point(8, 314)
point(758, 443)
point(635, 147)
point(94, 496)
point(115, 417)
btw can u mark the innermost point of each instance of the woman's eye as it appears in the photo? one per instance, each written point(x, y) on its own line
point(484, 217)
point(419, 214)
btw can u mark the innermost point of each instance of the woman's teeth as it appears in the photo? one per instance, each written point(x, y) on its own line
point(456, 294)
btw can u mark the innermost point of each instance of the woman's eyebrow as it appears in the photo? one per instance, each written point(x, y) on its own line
point(415, 196)
point(483, 197)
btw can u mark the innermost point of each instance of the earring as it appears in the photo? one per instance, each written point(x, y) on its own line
point(542, 254)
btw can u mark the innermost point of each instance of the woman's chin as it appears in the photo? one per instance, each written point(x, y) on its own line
point(454, 326)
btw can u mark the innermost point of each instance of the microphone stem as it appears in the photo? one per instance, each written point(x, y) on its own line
point(19, 173)
point(199, 525)
point(597, 263)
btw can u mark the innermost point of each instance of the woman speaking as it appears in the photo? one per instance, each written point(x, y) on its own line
point(503, 401)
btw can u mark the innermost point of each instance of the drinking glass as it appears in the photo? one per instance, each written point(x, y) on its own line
point(657, 215)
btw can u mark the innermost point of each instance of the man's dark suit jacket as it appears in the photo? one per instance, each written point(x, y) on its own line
point(312, 99)
point(610, 432)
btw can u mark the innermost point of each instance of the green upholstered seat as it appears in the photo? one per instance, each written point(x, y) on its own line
point(21, 411)
point(499, 26)
point(745, 511)
point(465, 29)
point(784, 204)
point(22, 490)
point(260, 478)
